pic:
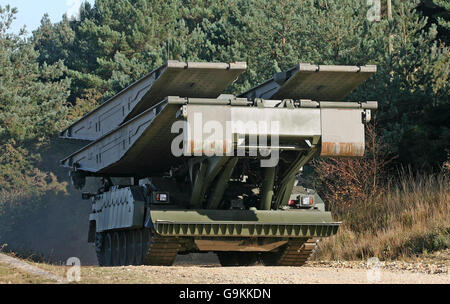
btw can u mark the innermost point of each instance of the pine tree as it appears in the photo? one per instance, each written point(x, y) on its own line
point(412, 87)
point(438, 12)
point(32, 107)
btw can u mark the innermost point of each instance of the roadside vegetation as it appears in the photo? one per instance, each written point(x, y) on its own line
point(398, 217)
point(410, 218)
point(10, 275)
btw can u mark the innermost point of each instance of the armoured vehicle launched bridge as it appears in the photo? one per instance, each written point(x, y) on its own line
point(188, 169)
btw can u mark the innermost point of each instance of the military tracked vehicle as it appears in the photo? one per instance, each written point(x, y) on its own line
point(188, 169)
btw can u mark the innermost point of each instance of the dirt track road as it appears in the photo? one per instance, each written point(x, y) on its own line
point(212, 273)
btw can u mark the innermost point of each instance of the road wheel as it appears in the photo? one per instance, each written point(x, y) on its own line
point(100, 248)
point(147, 239)
point(123, 248)
point(131, 248)
point(108, 249)
point(139, 246)
point(115, 249)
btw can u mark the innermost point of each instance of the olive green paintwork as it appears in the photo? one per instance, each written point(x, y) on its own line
point(243, 223)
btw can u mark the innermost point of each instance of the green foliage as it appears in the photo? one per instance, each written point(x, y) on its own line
point(434, 240)
point(32, 107)
point(438, 12)
point(413, 90)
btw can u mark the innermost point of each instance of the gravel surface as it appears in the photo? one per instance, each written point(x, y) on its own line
point(433, 269)
point(189, 270)
point(272, 275)
point(415, 267)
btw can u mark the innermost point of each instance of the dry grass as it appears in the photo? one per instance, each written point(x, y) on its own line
point(10, 275)
point(409, 217)
point(384, 215)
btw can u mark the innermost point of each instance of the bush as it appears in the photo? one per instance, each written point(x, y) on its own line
point(409, 217)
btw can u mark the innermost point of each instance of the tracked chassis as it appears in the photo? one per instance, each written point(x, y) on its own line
point(145, 247)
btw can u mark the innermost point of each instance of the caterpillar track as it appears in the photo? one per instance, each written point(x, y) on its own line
point(295, 253)
point(145, 247)
point(161, 251)
point(135, 247)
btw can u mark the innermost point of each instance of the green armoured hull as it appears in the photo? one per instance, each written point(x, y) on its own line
point(128, 230)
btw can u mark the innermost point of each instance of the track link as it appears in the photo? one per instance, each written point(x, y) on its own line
point(298, 252)
point(295, 253)
point(160, 251)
